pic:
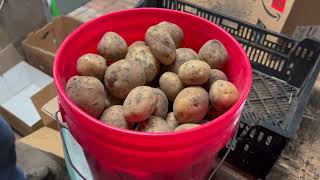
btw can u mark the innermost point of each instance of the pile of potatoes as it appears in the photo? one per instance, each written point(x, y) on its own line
point(153, 85)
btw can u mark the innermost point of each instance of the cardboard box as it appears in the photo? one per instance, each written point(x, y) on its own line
point(45, 139)
point(276, 15)
point(40, 99)
point(49, 110)
point(17, 85)
point(41, 46)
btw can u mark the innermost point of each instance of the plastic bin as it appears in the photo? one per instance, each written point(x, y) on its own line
point(123, 154)
point(284, 72)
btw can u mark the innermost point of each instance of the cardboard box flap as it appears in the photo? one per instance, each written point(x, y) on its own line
point(40, 46)
point(66, 26)
point(52, 35)
point(40, 99)
point(21, 106)
point(45, 139)
point(41, 38)
point(51, 107)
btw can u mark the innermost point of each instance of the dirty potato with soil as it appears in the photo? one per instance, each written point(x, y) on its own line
point(136, 44)
point(112, 47)
point(92, 65)
point(139, 104)
point(162, 103)
point(113, 116)
point(171, 120)
point(122, 76)
point(155, 124)
point(87, 93)
point(191, 105)
point(223, 95)
point(170, 84)
point(143, 55)
point(150, 78)
point(194, 72)
point(215, 74)
point(182, 55)
point(161, 45)
point(186, 126)
point(175, 32)
point(214, 53)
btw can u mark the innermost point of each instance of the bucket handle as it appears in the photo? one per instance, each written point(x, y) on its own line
point(61, 124)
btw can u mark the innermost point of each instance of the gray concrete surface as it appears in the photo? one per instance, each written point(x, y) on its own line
point(39, 165)
point(4, 40)
point(301, 158)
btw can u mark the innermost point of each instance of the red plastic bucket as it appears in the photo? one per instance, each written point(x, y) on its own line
point(123, 154)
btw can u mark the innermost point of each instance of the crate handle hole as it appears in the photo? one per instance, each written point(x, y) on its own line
point(252, 133)
point(246, 147)
point(268, 141)
point(261, 134)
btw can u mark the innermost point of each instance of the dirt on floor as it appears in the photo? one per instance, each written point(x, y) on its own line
point(301, 157)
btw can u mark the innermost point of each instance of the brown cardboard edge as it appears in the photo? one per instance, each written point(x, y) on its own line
point(50, 115)
point(19, 125)
point(33, 34)
point(34, 138)
point(41, 98)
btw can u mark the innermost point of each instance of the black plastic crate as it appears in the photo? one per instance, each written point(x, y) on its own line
point(284, 72)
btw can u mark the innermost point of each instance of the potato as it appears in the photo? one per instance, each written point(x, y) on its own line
point(155, 124)
point(214, 53)
point(223, 95)
point(92, 65)
point(182, 55)
point(191, 105)
point(87, 93)
point(139, 104)
point(186, 126)
point(174, 30)
point(215, 74)
point(122, 76)
point(136, 44)
point(194, 72)
point(171, 120)
point(161, 45)
point(113, 116)
point(110, 100)
point(162, 103)
point(112, 47)
point(144, 56)
point(170, 84)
